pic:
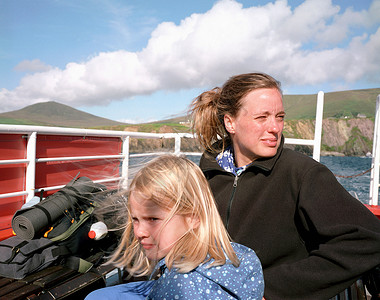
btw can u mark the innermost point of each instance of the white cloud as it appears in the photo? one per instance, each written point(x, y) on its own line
point(137, 120)
point(299, 46)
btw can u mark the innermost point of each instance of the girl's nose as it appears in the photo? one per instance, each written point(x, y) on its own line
point(140, 231)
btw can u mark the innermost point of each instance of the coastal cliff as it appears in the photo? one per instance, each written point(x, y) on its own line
point(348, 137)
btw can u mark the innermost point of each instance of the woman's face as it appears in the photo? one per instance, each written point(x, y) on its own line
point(256, 129)
point(150, 226)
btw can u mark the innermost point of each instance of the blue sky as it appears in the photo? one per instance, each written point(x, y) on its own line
point(139, 61)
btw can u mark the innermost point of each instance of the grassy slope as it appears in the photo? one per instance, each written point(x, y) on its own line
point(336, 104)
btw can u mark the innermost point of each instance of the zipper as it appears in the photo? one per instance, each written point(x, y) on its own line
point(231, 200)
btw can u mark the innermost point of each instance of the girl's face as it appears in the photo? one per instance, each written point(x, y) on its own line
point(256, 130)
point(156, 235)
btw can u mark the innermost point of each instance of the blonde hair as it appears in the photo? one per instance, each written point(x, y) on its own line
point(177, 184)
point(210, 107)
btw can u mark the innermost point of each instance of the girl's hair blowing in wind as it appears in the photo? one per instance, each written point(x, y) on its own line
point(178, 185)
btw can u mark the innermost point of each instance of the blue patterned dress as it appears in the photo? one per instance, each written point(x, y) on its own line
point(216, 283)
point(244, 282)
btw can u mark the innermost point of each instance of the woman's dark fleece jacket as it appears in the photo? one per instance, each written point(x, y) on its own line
point(312, 237)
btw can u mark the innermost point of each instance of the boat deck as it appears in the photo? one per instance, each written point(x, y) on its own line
point(58, 282)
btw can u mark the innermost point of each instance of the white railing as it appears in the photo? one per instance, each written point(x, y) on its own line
point(374, 183)
point(316, 142)
point(32, 131)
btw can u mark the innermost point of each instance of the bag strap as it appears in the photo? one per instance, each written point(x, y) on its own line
point(62, 192)
point(45, 211)
point(15, 249)
point(78, 264)
point(72, 262)
point(63, 236)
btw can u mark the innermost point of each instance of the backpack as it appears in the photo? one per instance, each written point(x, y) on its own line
point(55, 231)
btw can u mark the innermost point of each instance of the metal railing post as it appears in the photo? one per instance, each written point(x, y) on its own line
point(177, 145)
point(318, 127)
point(374, 183)
point(125, 161)
point(31, 166)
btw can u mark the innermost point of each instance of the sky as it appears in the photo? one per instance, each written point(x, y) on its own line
point(139, 61)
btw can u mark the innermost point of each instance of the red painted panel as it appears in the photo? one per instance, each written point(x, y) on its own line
point(12, 146)
point(5, 233)
point(12, 177)
point(61, 172)
point(375, 209)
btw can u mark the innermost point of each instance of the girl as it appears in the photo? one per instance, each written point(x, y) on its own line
point(173, 228)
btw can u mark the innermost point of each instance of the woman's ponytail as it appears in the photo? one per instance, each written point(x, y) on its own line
point(207, 124)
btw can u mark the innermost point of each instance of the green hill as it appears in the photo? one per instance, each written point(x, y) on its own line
point(336, 105)
point(54, 114)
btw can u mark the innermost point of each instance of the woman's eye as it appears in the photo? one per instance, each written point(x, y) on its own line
point(260, 117)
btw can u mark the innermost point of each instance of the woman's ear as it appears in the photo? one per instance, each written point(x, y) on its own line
point(229, 123)
point(192, 221)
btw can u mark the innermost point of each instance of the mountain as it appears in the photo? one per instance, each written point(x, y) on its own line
point(55, 114)
point(344, 104)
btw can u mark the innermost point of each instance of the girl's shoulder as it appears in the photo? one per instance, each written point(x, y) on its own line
point(246, 280)
point(241, 249)
point(249, 263)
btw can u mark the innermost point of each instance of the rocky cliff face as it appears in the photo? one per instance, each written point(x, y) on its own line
point(350, 137)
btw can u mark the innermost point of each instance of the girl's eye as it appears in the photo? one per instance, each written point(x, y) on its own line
point(153, 219)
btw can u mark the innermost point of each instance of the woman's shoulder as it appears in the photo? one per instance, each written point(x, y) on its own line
point(295, 160)
point(296, 155)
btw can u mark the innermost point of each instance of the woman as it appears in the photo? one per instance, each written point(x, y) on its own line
point(313, 238)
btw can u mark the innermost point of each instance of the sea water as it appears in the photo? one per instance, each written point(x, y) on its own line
point(345, 168)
